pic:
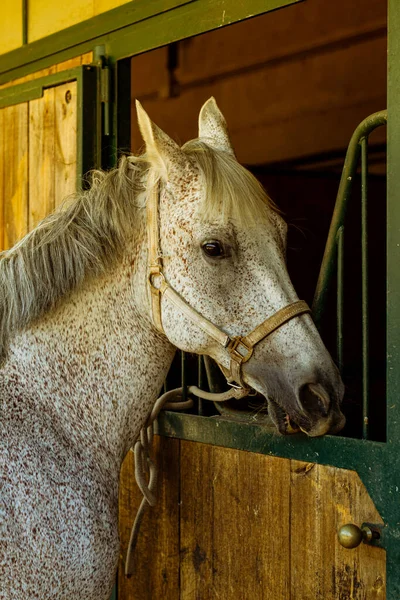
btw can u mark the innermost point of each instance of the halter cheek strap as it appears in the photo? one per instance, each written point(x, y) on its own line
point(240, 349)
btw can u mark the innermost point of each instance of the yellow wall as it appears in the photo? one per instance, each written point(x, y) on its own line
point(10, 26)
point(45, 18)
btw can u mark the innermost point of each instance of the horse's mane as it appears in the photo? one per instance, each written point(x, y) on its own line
point(89, 231)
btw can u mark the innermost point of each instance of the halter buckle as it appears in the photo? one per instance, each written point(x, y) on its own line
point(239, 351)
point(155, 273)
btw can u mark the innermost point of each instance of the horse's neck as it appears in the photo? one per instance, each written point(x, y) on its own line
point(92, 368)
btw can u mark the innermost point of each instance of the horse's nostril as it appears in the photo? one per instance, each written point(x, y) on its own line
point(315, 399)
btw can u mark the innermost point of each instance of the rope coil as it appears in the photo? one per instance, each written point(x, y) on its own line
point(145, 469)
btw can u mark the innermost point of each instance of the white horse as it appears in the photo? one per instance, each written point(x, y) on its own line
point(87, 340)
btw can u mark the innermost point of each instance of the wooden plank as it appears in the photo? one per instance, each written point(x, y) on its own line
point(358, 573)
point(57, 68)
point(87, 58)
point(322, 500)
point(41, 157)
point(312, 531)
point(157, 555)
point(197, 521)
point(15, 173)
point(69, 64)
point(234, 524)
point(65, 132)
point(30, 77)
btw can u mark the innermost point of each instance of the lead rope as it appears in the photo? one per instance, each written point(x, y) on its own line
point(145, 469)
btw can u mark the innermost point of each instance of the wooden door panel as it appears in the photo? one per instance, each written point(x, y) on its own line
point(156, 574)
point(65, 159)
point(323, 499)
point(15, 169)
point(38, 155)
point(234, 524)
point(52, 149)
point(250, 527)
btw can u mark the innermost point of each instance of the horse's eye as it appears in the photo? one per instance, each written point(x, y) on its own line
point(213, 249)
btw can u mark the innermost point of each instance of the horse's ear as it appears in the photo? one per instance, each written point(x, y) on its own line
point(161, 150)
point(213, 128)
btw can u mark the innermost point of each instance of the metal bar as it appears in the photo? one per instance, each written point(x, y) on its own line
point(25, 9)
point(364, 284)
point(183, 376)
point(339, 213)
point(88, 123)
point(200, 383)
point(340, 298)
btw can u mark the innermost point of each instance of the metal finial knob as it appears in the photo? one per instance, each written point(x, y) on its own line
point(351, 536)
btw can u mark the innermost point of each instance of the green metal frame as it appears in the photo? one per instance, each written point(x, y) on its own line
point(130, 29)
point(334, 250)
point(88, 110)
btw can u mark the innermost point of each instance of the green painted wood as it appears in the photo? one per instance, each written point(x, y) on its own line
point(124, 36)
point(24, 92)
point(337, 451)
point(87, 30)
point(392, 465)
point(24, 22)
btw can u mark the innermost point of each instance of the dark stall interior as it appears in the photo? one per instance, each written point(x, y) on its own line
point(293, 85)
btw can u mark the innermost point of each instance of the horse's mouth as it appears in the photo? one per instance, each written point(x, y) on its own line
point(281, 419)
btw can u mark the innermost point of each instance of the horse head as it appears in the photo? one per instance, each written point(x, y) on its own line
point(218, 242)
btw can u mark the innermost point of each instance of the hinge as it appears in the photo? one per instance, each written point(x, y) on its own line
point(100, 60)
point(105, 77)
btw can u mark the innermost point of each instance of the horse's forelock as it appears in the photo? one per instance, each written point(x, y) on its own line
point(231, 191)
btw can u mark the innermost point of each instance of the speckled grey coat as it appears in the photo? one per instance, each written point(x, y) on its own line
point(80, 379)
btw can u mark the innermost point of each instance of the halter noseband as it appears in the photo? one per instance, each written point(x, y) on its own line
point(240, 348)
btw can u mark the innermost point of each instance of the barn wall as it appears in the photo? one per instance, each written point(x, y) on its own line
point(291, 83)
point(45, 18)
point(10, 26)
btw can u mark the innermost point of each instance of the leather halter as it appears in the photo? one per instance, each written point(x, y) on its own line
point(240, 349)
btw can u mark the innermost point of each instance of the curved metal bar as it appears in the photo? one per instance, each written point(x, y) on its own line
point(351, 162)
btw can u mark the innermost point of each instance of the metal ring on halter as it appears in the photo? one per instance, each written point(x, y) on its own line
point(156, 271)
